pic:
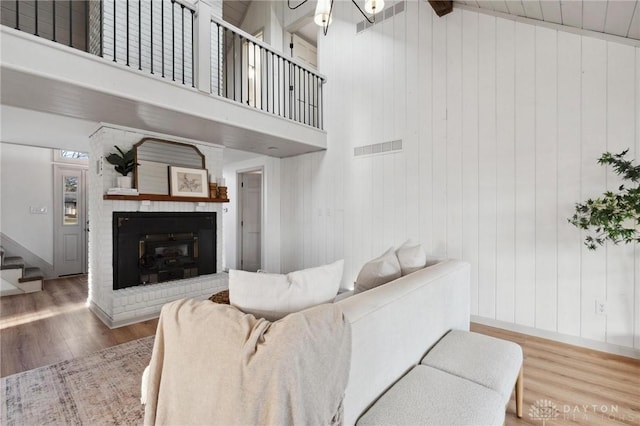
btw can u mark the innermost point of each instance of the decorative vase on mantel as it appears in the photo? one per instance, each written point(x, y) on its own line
point(124, 182)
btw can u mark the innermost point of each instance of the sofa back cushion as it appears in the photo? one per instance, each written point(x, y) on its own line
point(272, 296)
point(378, 271)
point(411, 257)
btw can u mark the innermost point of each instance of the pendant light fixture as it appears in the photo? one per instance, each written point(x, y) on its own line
point(324, 11)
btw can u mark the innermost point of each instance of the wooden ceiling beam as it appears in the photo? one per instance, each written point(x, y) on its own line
point(441, 7)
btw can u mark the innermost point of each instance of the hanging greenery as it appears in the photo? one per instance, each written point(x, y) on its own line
point(615, 216)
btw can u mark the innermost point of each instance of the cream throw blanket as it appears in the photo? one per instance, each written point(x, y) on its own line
point(213, 364)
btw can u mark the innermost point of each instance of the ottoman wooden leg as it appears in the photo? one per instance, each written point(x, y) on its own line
point(519, 392)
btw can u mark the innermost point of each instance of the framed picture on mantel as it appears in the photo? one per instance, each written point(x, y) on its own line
point(187, 182)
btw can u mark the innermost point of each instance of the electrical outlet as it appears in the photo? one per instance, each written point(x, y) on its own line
point(601, 307)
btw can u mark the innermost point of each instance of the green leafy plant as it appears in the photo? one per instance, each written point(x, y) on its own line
point(615, 216)
point(124, 162)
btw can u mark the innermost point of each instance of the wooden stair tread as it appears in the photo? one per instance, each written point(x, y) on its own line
point(13, 262)
point(31, 274)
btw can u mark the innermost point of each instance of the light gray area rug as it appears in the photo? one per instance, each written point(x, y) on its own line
point(102, 388)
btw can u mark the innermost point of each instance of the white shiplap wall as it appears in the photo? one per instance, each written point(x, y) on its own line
point(502, 123)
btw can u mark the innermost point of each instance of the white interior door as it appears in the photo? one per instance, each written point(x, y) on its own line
point(250, 220)
point(70, 221)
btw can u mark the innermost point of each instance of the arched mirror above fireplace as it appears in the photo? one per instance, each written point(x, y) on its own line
point(153, 158)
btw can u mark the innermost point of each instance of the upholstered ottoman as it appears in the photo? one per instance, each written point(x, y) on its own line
point(488, 361)
point(428, 396)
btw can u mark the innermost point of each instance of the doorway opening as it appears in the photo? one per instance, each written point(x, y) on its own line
point(250, 219)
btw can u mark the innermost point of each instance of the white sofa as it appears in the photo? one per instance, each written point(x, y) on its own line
point(413, 360)
point(395, 325)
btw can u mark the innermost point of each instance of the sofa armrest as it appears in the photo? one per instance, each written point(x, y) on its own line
point(394, 325)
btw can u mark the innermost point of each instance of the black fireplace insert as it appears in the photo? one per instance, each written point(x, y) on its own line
point(151, 248)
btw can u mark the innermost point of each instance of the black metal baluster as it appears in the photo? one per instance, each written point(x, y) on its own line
point(193, 64)
point(36, 11)
point(305, 94)
point(261, 74)
point(182, 19)
point(321, 103)
point(17, 14)
point(173, 41)
point(273, 85)
point(241, 67)
point(54, 19)
point(298, 101)
point(139, 35)
point(286, 80)
point(70, 23)
point(225, 62)
point(312, 102)
point(151, 31)
point(290, 90)
point(101, 5)
point(162, 34)
point(219, 54)
point(86, 27)
point(114, 30)
point(310, 91)
point(233, 60)
point(255, 77)
point(127, 4)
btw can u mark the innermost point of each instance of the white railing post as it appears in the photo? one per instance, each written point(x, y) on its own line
point(202, 46)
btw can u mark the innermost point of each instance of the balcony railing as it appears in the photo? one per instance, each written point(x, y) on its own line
point(251, 72)
point(158, 37)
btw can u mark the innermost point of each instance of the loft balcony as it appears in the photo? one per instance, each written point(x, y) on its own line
point(160, 66)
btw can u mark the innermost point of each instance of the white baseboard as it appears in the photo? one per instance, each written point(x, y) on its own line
point(102, 315)
point(559, 337)
point(109, 322)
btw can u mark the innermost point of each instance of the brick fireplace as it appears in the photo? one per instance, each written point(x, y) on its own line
point(118, 305)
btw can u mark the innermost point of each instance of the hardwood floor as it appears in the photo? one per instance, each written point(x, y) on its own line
point(585, 386)
point(53, 325)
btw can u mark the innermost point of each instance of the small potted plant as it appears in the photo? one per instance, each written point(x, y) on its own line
point(124, 163)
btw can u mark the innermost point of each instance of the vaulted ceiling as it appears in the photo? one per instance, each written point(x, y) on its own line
point(616, 17)
point(234, 11)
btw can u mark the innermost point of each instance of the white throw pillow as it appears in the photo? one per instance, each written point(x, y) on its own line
point(411, 256)
point(378, 271)
point(273, 296)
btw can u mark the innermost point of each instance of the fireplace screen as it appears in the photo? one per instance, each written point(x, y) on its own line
point(164, 257)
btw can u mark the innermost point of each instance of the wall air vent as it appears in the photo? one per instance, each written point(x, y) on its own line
point(378, 148)
point(386, 13)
